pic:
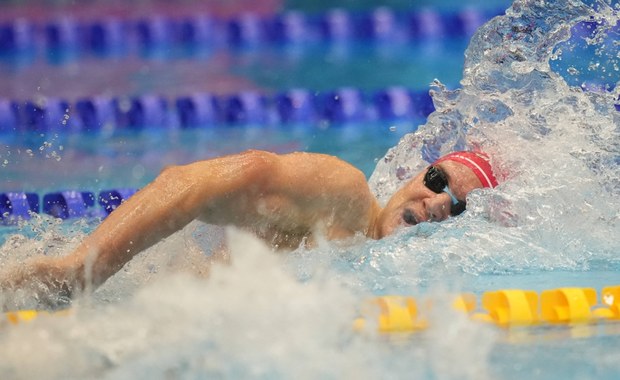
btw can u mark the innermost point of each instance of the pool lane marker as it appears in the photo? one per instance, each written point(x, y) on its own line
point(204, 110)
point(20, 206)
point(503, 308)
point(158, 35)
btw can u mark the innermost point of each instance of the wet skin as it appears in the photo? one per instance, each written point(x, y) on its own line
point(283, 199)
point(414, 202)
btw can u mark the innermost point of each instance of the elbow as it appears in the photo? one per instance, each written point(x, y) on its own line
point(202, 183)
point(256, 167)
point(171, 175)
point(258, 157)
point(174, 183)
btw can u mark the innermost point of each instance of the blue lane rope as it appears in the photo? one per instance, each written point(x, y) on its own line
point(206, 110)
point(301, 106)
point(68, 204)
point(110, 35)
point(195, 111)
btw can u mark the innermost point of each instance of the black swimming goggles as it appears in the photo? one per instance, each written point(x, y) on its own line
point(437, 181)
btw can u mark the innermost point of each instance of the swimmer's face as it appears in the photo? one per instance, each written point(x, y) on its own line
point(415, 203)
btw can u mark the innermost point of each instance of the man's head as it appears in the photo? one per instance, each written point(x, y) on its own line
point(437, 192)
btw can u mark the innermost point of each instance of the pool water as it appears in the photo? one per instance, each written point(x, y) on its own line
point(552, 222)
point(132, 159)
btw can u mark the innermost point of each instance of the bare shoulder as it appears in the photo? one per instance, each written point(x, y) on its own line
point(261, 158)
point(334, 186)
point(323, 176)
point(294, 167)
point(249, 164)
point(284, 191)
point(303, 159)
point(297, 172)
point(323, 164)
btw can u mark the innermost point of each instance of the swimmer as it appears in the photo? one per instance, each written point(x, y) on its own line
point(283, 199)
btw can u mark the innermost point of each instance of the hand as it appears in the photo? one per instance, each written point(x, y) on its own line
point(40, 283)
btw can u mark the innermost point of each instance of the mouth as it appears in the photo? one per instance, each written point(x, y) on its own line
point(409, 217)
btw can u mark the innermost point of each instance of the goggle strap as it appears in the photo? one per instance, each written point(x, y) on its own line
point(447, 191)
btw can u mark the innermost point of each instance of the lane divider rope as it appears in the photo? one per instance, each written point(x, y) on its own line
point(160, 34)
point(205, 110)
point(20, 206)
point(506, 308)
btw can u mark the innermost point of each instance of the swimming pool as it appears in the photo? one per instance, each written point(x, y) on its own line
point(552, 223)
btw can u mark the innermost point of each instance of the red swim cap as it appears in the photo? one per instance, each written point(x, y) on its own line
point(476, 161)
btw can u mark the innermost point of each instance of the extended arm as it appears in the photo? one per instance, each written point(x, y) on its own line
point(255, 190)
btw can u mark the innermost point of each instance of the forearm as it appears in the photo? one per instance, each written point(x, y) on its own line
point(153, 213)
point(179, 195)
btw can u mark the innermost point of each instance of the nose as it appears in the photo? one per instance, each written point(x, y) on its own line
point(438, 207)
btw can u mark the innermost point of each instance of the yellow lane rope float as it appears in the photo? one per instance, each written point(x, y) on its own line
point(505, 308)
point(20, 316)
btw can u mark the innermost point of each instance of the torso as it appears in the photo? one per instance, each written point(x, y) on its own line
point(304, 195)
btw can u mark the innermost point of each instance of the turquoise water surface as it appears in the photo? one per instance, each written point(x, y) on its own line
point(514, 90)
